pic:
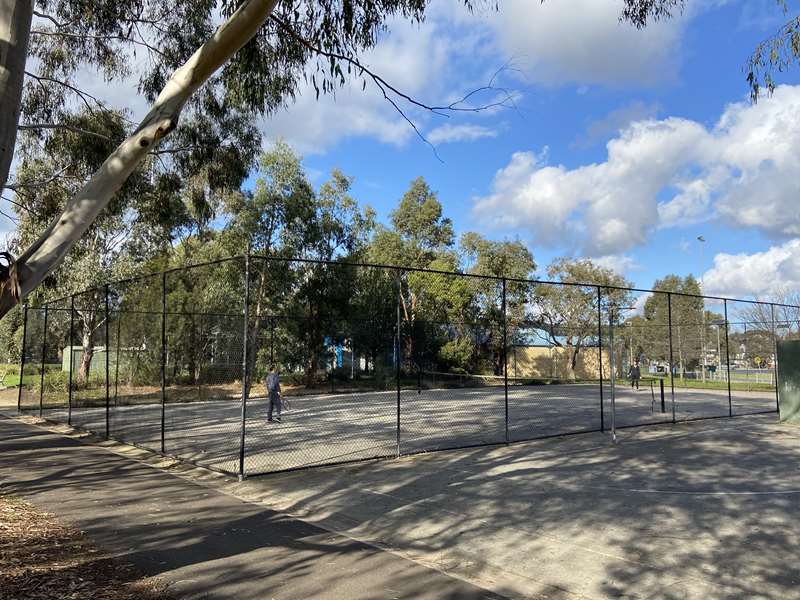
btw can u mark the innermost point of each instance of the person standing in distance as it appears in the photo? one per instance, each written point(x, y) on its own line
point(273, 383)
point(635, 374)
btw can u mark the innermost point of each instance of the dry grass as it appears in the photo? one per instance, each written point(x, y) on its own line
point(42, 558)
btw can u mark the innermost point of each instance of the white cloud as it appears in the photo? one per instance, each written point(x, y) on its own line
point(583, 42)
point(661, 173)
point(770, 273)
point(447, 133)
point(615, 121)
point(619, 263)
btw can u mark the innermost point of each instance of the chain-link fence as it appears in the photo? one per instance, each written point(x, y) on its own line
point(375, 361)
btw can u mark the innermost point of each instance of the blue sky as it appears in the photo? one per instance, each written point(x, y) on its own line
point(615, 150)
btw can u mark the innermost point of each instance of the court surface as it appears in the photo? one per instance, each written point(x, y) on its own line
point(699, 510)
point(331, 428)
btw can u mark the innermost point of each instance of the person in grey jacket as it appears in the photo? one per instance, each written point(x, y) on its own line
point(273, 383)
point(635, 374)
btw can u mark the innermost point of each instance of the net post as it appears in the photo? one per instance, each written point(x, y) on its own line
point(44, 351)
point(108, 396)
point(163, 360)
point(397, 355)
point(671, 358)
point(71, 357)
point(22, 354)
point(728, 359)
point(600, 354)
point(774, 361)
point(505, 358)
point(245, 362)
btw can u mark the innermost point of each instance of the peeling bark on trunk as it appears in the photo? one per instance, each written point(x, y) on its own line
point(15, 27)
point(24, 275)
point(87, 353)
point(572, 360)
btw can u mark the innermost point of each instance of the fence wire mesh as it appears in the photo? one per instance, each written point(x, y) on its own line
point(378, 361)
point(135, 310)
point(33, 358)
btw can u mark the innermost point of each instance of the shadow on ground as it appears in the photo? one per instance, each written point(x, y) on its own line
point(700, 510)
point(206, 542)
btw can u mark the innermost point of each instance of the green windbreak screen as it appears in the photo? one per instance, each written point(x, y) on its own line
point(789, 380)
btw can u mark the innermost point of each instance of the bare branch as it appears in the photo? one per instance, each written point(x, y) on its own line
point(80, 93)
point(121, 38)
point(38, 184)
point(179, 149)
point(22, 206)
point(72, 128)
point(52, 19)
point(384, 85)
point(9, 217)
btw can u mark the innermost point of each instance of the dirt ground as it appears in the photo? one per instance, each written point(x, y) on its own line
point(41, 558)
point(8, 396)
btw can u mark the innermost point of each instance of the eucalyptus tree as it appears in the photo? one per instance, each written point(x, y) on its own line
point(566, 314)
point(687, 311)
point(285, 217)
point(258, 55)
point(513, 261)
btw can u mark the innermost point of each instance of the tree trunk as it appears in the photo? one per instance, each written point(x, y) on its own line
point(15, 27)
point(87, 352)
point(47, 252)
point(572, 360)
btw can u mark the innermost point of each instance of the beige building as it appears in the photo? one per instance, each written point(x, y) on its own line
point(545, 362)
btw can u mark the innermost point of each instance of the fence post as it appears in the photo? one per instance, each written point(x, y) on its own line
point(600, 355)
point(108, 403)
point(116, 358)
point(671, 363)
point(398, 354)
point(774, 361)
point(163, 360)
point(71, 356)
point(728, 359)
point(22, 354)
point(245, 362)
point(44, 351)
point(505, 357)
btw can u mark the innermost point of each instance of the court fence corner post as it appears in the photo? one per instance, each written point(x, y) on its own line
point(600, 354)
point(245, 363)
point(163, 360)
point(398, 354)
point(728, 359)
point(505, 357)
point(108, 395)
point(71, 357)
point(44, 358)
point(774, 360)
point(22, 355)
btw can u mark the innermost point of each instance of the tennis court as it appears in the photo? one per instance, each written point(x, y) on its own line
point(701, 510)
point(332, 428)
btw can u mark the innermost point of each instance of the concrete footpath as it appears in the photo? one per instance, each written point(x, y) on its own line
point(205, 543)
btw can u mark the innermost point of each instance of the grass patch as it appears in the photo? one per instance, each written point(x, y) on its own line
point(41, 558)
point(699, 384)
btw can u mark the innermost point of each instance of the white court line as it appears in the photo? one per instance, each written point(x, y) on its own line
point(698, 493)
